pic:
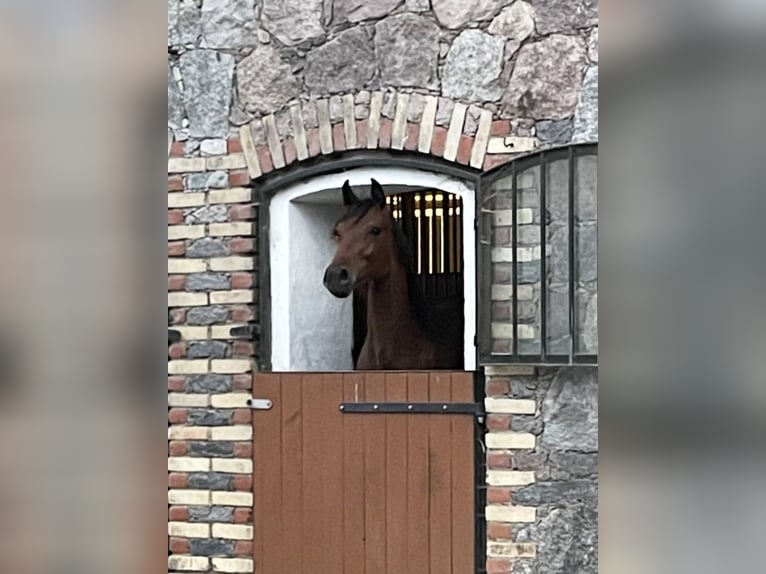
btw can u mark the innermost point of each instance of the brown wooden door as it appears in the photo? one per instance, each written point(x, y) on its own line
point(362, 493)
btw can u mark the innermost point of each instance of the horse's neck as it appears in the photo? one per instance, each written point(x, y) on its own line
point(389, 318)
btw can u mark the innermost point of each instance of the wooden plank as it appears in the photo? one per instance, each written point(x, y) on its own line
point(353, 477)
point(375, 478)
point(331, 473)
point(311, 540)
point(440, 481)
point(463, 477)
point(268, 483)
point(292, 471)
point(396, 477)
point(417, 478)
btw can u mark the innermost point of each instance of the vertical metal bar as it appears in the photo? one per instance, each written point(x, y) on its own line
point(423, 224)
point(434, 234)
point(543, 250)
point(514, 263)
point(572, 273)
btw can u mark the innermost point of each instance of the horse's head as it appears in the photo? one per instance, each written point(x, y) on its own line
point(366, 242)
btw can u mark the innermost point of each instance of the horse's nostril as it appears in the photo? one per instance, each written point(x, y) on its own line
point(343, 274)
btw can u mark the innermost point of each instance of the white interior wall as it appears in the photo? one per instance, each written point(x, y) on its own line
point(311, 329)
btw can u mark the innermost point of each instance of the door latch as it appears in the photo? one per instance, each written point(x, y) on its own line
point(259, 404)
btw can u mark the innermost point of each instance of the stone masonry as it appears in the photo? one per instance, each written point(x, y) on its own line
point(257, 86)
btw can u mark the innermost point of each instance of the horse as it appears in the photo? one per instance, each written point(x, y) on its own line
point(373, 259)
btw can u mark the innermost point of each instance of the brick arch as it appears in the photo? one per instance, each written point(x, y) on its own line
point(472, 136)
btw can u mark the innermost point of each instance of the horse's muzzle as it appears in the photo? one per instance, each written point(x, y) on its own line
point(339, 280)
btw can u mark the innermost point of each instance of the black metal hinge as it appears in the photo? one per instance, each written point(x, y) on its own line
point(476, 409)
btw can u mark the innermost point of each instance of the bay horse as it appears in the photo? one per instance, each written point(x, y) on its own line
point(373, 259)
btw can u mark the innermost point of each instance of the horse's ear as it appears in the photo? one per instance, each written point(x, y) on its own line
point(377, 194)
point(348, 195)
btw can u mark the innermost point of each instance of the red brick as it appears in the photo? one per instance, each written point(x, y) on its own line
point(243, 482)
point(361, 134)
point(177, 448)
point(243, 548)
point(233, 145)
point(177, 350)
point(241, 213)
point(264, 158)
point(497, 387)
point(242, 416)
point(243, 450)
point(497, 566)
point(413, 133)
point(438, 141)
point(178, 545)
point(498, 460)
point(499, 531)
point(177, 149)
point(498, 495)
point(176, 383)
point(241, 280)
point(242, 382)
point(384, 136)
point(241, 245)
point(175, 217)
point(500, 128)
point(243, 349)
point(338, 138)
point(291, 153)
point(175, 183)
point(242, 314)
point(243, 515)
point(464, 149)
point(177, 316)
point(492, 161)
point(501, 311)
point(312, 137)
point(498, 422)
point(239, 178)
point(177, 480)
point(176, 282)
point(178, 513)
point(501, 346)
point(177, 416)
point(176, 248)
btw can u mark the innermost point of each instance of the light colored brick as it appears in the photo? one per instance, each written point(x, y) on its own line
point(481, 140)
point(178, 200)
point(233, 296)
point(510, 406)
point(301, 145)
point(188, 563)
point(183, 299)
point(509, 477)
point(188, 464)
point(189, 529)
point(498, 513)
point(427, 124)
point(230, 366)
point(176, 266)
point(248, 147)
point(188, 400)
point(232, 531)
point(325, 129)
point(233, 465)
point(232, 565)
point(349, 122)
point(399, 129)
point(186, 164)
point(233, 263)
point(191, 497)
point(504, 217)
point(275, 145)
point(505, 331)
point(505, 292)
point(524, 254)
point(233, 195)
point(223, 331)
point(229, 400)
point(455, 131)
point(180, 432)
point(185, 232)
point(213, 147)
point(237, 432)
point(226, 162)
point(511, 144)
point(509, 370)
point(373, 129)
point(188, 367)
point(510, 549)
point(231, 229)
point(222, 498)
point(510, 440)
point(192, 333)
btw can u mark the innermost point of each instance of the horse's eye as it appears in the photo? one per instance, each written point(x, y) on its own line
point(335, 234)
point(375, 231)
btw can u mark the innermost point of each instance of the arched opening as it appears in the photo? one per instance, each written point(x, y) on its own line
point(313, 331)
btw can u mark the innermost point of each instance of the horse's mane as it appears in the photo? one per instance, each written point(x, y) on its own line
point(419, 306)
